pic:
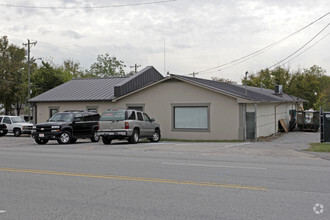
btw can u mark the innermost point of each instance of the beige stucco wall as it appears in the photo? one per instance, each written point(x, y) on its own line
point(158, 100)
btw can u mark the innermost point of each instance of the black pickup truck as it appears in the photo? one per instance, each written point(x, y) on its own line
point(66, 127)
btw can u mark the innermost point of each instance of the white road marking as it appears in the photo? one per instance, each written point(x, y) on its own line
point(210, 165)
point(2, 211)
point(234, 145)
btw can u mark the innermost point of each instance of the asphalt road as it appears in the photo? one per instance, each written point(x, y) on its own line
point(268, 180)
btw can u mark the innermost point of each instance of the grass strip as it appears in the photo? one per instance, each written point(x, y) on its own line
point(319, 147)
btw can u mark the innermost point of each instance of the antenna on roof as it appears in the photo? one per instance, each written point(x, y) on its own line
point(164, 59)
point(193, 74)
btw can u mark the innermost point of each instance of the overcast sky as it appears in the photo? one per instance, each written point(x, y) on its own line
point(198, 34)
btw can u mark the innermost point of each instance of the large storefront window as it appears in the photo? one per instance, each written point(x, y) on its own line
point(191, 117)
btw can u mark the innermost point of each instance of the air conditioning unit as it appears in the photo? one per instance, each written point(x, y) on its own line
point(278, 90)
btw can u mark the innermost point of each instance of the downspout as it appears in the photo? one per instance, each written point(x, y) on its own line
point(275, 116)
point(244, 123)
point(255, 122)
point(35, 112)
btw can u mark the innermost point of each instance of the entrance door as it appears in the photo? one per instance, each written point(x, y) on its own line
point(250, 125)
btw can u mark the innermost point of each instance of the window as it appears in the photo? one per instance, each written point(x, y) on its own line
point(78, 117)
point(139, 115)
point(131, 115)
point(65, 116)
point(113, 115)
point(6, 120)
point(53, 111)
point(92, 109)
point(138, 107)
point(146, 117)
point(87, 117)
point(191, 118)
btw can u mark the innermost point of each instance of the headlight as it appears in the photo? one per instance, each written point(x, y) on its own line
point(34, 127)
point(55, 127)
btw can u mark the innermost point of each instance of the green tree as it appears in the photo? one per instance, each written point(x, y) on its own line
point(106, 66)
point(13, 76)
point(47, 77)
point(308, 85)
point(323, 100)
point(269, 78)
point(73, 68)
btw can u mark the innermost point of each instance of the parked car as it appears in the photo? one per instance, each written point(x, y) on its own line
point(3, 129)
point(66, 127)
point(127, 124)
point(16, 125)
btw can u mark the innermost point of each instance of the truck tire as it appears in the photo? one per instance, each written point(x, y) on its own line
point(106, 140)
point(41, 141)
point(95, 137)
point(134, 139)
point(65, 138)
point(155, 136)
point(17, 132)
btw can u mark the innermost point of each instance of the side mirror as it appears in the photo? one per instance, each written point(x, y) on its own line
point(152, 119)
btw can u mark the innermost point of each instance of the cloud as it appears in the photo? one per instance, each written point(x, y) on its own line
point(198, 34)
point(71, 34)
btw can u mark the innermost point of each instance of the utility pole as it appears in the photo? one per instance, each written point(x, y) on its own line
point(29, 44)
point(193, 74)
point(135, 67)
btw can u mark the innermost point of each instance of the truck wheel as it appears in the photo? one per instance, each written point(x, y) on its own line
point(134, 139)
point(17, 132)
point(95, 137)
point(65, 138)
point(41, 141)
point(106, 140)
point(155, 136)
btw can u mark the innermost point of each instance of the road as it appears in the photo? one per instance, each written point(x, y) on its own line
point(160, 181)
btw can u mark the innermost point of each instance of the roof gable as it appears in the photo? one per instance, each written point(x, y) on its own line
point(141, 79)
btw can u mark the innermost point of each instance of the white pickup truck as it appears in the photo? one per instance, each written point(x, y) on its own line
point(16, 125)
point(127, 124)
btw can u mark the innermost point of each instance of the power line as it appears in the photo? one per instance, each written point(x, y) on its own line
point(306, 49)
point(300, 47)
point(86, 7)
point(251, 55)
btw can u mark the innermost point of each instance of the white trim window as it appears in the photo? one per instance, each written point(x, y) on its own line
point(92, 108)
point(191, 118)
point(53, 110)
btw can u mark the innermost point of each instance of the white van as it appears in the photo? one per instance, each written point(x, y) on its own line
point(16, 125)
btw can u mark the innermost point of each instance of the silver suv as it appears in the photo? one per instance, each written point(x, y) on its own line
point(127, 124)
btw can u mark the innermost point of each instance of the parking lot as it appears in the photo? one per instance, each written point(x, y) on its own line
point(282, 144)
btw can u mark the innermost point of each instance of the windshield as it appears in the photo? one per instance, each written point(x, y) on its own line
point(113, 115)
point(61, 117)
point(18, 120)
